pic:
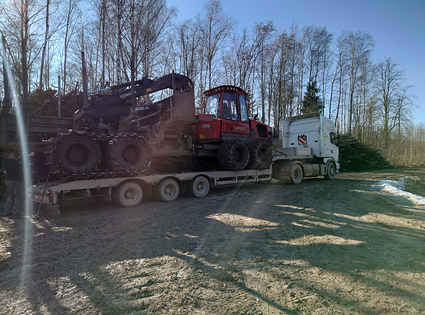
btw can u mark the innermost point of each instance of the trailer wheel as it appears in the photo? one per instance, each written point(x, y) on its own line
point(331, 171)
point(296, 174)
point(260, 156)
point(199, 187)
point(233, 155)
point(167, 190)
point(128, 151)
point(128, 194)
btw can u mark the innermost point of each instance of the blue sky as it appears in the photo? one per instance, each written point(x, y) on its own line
point(397, 27)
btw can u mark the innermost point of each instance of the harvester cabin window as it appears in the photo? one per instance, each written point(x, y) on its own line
point(229, 108)
point(244, 108)
point(212, 105)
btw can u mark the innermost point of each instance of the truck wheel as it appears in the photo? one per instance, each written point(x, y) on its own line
point(199, 187)
point(331, 171)
point(260, 155)
point(167, 190)
point(128, 151)
point(128, 194)
point(296, 174)
point(73, 153)
point(233, 155)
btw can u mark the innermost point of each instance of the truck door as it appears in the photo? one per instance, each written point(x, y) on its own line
point(234, 119)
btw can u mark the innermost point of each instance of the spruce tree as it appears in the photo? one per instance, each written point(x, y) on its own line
point(312, 102)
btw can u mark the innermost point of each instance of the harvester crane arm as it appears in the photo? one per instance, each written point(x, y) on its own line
point(142, 87)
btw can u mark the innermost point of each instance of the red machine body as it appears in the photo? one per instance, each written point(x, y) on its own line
point(225, 116)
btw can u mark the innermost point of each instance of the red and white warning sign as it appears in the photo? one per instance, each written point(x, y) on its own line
point(302, 140)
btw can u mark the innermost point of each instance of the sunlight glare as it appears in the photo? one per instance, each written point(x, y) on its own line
point(27, 171)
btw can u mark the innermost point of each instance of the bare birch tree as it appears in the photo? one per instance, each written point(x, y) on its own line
point(215, 27)
point(355, 48)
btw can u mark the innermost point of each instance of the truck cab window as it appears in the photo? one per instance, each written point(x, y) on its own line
point(244, 108)
point(212, 105)
point(229, 107)
point(333, 138)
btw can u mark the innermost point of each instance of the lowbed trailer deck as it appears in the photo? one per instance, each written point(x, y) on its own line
point(129, 191)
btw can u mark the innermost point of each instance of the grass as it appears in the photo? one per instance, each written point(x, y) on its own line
point(416, 184)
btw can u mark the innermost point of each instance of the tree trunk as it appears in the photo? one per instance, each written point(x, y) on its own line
point(46, 37)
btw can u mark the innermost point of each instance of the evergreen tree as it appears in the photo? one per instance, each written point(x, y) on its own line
point(312, 102)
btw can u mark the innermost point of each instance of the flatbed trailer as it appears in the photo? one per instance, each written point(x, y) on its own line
point(130, 191)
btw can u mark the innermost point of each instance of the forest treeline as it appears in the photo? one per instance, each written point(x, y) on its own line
point(369, 101)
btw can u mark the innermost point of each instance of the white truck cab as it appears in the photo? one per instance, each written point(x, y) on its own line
point(309, 148)
point(312, 130)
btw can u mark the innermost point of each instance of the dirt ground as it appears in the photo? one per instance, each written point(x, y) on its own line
point(321, 247)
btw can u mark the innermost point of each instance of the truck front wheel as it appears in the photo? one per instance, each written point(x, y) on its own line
point(296, 174)
point(331, 171)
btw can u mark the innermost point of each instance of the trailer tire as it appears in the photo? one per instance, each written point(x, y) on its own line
point(296, 174)
point(331, 171)
point(167, 190)
point(127, 194)
point(233, 155)
point(198, 187)
point(73, 153)
point(128, 151)
point(260, 156)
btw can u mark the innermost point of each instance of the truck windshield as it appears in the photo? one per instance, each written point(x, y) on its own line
point(212, 105)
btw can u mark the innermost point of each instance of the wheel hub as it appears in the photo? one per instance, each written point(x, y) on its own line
point(169, 190)
point(130, 194)
point(238, 155)
point(77, 154)
point(131, 154)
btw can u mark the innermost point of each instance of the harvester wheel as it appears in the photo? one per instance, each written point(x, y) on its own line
point(204, 163)
point(128, 151)
point(260, 155)
point(39, 170)
point(74, 153)
point(167, 190)
point(233, 155)
point(198, 187)
point(128, 194)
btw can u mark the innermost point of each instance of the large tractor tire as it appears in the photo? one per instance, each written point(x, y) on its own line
point(39, 170)
point(260, 155)
point(128, 151)
point(204, 163)
point(233, 155)
point(73, 153)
